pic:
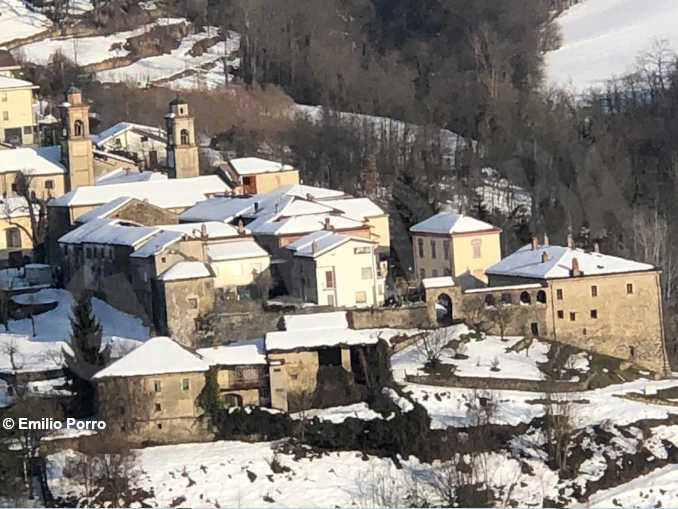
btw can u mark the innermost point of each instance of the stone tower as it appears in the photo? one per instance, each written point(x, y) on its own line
point(182, 150)
point(76, 145)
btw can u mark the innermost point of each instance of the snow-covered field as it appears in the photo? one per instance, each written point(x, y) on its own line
point(18, 21)
point(55, 325)
point(603, 38)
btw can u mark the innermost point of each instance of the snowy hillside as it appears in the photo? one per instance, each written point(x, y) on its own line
point(603, 38)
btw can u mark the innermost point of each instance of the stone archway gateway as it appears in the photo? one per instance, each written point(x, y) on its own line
point(444, 309)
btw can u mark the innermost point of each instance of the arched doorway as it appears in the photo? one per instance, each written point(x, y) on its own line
point(444, 309)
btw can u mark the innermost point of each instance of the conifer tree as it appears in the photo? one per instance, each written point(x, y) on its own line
point(87, 355)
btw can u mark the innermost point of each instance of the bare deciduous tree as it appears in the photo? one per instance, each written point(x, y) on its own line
point(432, 345)
point(558, 428)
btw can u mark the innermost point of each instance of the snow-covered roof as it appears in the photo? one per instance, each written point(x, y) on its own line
point(235, 250)
point(32, 161)
point(527, 262)
point(325, 240)
point(121, 127)
point(217, 209)
point(489, 289)
point(255, 165)
point(318, 338)
point(333, 320)
point(239, 353)
point(156, 244)
point(108, 231)
point(156, 356)
point(316, 193)
point(122, 176)
point(170, 193)
point(437, 282)
point(304, 224)
point(356, 208)
point(301, 207)
point(450, 222)
point(15, 206)
point(6, 82)
point(103, 210)
point(186, 270)
point(103, 154)
point(213, 229)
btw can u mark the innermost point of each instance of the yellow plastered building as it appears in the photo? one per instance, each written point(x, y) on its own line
point(17, 121)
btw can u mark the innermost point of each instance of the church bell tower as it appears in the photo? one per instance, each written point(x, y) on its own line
point(182, 150)
point(76, 145)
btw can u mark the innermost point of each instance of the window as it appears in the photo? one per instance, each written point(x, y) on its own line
point(629, 288)
point(49, 184)
point(157, 386)
point(13, 237)
point(434, 273)
point(185, 139)
point(329, 356)
point(380, 290)
point(422, 273)
point(88, 253)
point(158, 407)
point(193, 302)
point(330, 300)
point(541, 297)
point(14, 187)
point(329, 279)
point(446, 249)
point(367, 272)
point(506, 298)
point(594, 291)
point(5, 115)
point(475, 244)
point(361, 250)
point(420, 243)
point(78, 128)
point(361, 297)
point(163, 259)
point(559, 294)
point(246, 181)
point(28, 129)
point(594, 313)
point(185, 384)
point(489, 300)
point(4, 97)
point(573, 316)
point(144, 138)
point(159, 425)
point(561, 314)
point(525, 298)
point(433, 249)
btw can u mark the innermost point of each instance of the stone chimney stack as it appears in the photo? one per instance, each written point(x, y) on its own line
point(596, 247)
point(570, 241)
point(575, 268)
point(314, 246)
point(544, 257)
point(546, 239)
point(328, 226)
point(203, 232)
point(241, 228)
point(535, 244)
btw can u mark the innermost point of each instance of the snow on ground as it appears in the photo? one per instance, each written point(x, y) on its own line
point(238, 474)
point(55, 325)
point(482, 356)
point(18, 21)
point(161, 67)
point(339, 414)
point(85, 50)
point(603, 38)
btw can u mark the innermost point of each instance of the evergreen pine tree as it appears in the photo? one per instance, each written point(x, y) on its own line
point(87, 355)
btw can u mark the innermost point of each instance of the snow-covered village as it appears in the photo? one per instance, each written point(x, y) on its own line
point(320, 253)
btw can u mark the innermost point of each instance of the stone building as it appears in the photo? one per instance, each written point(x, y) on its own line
point(182, 148)
point(254, 175)
point(584, 298)
point(332, 269)
point(182, 293)
point(151, 394)
point(242, 372)
point(457, 245)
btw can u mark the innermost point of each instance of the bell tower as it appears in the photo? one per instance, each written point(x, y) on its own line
point(182, 150)
point(76, 145)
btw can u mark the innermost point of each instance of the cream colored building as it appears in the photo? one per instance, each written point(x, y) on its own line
point(151, 394)
point(590, 300)
point(254, 175)
point(452, 244)
point(332, 269)
point(238, 262)
point(18, 124)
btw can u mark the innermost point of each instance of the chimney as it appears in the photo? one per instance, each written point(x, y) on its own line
point(241, 228)
point(203, 231)
point(570, 241)
point(575, 268)
point(544, 257)
point(314, 246)
point(309, 196)
point(535, 244)
point(546, 239)
point(596, 247)
point(256, 206)
point(328, 226)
